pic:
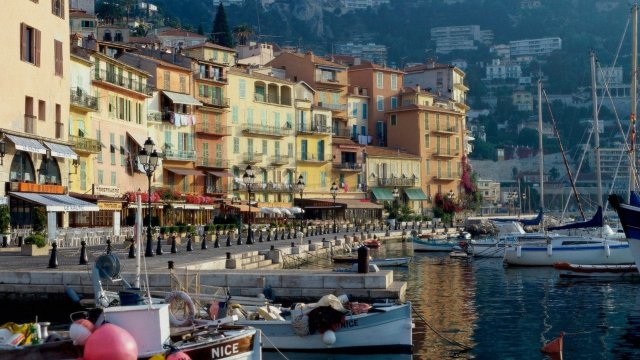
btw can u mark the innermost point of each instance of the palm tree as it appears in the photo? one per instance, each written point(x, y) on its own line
point(242, 33)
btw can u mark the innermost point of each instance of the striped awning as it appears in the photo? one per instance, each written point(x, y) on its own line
point(415, 194)
point(382, 194)
point(26, 144)
point(62, 151)
point(56, 203)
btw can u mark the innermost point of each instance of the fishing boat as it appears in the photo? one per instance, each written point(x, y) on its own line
point(494, 246)
point(371, 243)
point(351, 259)
point(328, 326)
point(433, 244)
point(568, 270)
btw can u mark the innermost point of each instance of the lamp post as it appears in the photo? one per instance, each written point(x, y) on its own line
point(523, 202)
point(148, 157)
point(300, 187)
point(334, 194)
point(248, 178)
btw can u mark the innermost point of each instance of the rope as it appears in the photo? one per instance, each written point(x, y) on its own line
point(452, 342)
point(274, 346)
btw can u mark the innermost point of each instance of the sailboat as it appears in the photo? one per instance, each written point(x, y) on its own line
point(593, 246)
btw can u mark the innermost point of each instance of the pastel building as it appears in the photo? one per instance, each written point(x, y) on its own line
point(358, 113)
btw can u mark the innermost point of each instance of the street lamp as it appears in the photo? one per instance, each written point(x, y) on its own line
point(248, 178)
point(300, 187)
point(148, 158)
point(523, 202)
point(334, 193)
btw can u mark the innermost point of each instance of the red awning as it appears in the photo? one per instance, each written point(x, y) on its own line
point(184, 172)
point(220, 173)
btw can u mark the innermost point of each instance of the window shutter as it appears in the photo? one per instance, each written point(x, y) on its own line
point(58, 56)
point(37, 46)
point(23, 44)
point(62, 12)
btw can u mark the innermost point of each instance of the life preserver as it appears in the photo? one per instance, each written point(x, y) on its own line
point(189, 308)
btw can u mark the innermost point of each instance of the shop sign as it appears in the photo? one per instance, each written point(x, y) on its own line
point(106, 190)
point(112, 206)
point(272, 204)
point(37, 188)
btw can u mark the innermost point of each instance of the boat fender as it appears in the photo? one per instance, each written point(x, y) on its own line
point(519, 251)
point(72, 294)
point(178, 355)
point(607, 250)
point(329, 337)
point(549, 249)
point(80, 331)
point(189, 307)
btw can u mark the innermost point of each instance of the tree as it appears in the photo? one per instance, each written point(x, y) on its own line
point(109, 10)
point(242, 33)
point(221, 34)
point(200, 29)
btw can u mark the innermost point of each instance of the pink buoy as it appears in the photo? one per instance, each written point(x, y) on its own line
point(213, 309)
point(178, 355)
point(111, 342)
point(80, 331)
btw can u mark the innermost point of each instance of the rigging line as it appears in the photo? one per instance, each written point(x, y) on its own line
point(274, 346)
point(566, 164)
point(453, 342)
point(584, 153)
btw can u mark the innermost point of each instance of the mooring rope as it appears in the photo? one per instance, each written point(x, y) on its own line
point(274, 346)
point(453, 342)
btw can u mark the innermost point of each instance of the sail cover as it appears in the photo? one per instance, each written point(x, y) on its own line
point(524, 222)
point(596, 221)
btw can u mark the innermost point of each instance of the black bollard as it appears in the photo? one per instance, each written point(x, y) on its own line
point(108, 246)
point(282, 235)
point(293, 244)
point(363, 260)
point(170, 264)
point(289, 235)
point(19, 241)
point(269, 235)
point(295, 234)
point(83, 253)
point(189, 245)
point(216, 243)
point(132, 249)
point(228, 240)
point(159, 246)
point(4, 241)
point(203, 242)
point(273, 247)
point(260, 238)
point(228, 255)
point(239, 237)
point(53, 260)
point(174, 249)
point(309, 241)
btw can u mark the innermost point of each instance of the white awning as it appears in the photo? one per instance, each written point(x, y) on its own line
point(26, 144)
point(178, 98)
point(56, 203)
point(62, 151)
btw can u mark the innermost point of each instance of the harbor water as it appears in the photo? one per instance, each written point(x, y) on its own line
point(510, 313)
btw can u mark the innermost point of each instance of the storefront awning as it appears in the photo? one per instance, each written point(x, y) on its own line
point(137, 138)
point(415, 194)
point(220, 173)
point(244, 208)
point(56, 203)
point(62, 151)
point(184, 172)
point(178, 98)
point(382, 194)
point(26, 144)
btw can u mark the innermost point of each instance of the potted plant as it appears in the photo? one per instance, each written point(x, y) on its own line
point(35, 245)
point(163, 231)
point(5, 222)
point(191, 230)
point(173, 230)
point(182, 230)
point(211, 232)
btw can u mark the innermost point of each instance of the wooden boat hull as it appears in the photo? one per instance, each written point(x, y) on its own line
point(59, 350)
point(596, 271)
point(361, 334)
point(233, 345)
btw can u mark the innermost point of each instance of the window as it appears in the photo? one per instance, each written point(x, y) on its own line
point(236, 145)
point(394, 102)
point(427, 169)
point(427, 140)
point(112, 140)
point(379, 80)
point(59, 125)
point(83, 175)
point(42, 110)
point(113, 178)
point(250, 116)
point(265, 148)
point(183, 84)
point(394, 81)
point(354, 110)
point(100, 177)
point(57, 8)
point(234, 114)
point(365, 108)
point(290, 149)
point(380, 103)
point(166, 80)
point(29, 44)
point(99, 138)
point(323, 179)
point(57, 48)
point(394, 120)
point(242, 88)
point(122, 154)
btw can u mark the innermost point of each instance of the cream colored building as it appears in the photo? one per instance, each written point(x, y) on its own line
point(262, 125)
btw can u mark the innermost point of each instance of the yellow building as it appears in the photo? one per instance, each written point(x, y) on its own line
point(313, 143)
point(262, 134)
point(81, 129)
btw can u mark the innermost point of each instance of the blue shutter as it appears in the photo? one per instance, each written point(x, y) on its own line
point(180, 142)
point(364, 111)
point(303, 150)
point(167, 139)
point(321, 150)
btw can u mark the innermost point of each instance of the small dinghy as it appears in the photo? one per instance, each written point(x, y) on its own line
point(568, 270)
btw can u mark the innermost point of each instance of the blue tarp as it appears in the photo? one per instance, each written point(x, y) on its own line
point(634, 199)
point(596, 221)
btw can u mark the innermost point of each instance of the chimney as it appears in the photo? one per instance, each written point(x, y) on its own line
point(356, 90)
point(309, 55)
point(357, 61)
point(417, 87)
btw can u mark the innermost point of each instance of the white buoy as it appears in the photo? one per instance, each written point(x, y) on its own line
point(549, 249)
point(329, 337)
point(519, 251)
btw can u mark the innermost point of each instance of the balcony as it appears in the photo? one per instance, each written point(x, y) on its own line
point(272, 99)
point(333, 107)
point(212, 163)
point(314, 130)
point(265, 187)
point(446, 153)
point(346, 133)
point(453, 130)
point(328, 80)
point(442, 176)
point(218, 189)
point(179, 155)
point(179, 119)
point(154, 117)
point(204, 76)
point(119, 80)
point(82, 100)
point(348, 167)
point(279, 160)
point(314, 158)
point(270, 131)
point(248, 158)
point(30, 123)
point(214, 101)
point(396, 181)
point(59, 130)
point(85, 145)
point(213, 129)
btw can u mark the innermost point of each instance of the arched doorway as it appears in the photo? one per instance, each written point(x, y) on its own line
point(22, 168)
point(50, 172)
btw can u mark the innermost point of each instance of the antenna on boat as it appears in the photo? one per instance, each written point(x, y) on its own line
point(541, 162)
point(596, 126)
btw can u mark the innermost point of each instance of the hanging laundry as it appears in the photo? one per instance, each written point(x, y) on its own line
point(172, 117)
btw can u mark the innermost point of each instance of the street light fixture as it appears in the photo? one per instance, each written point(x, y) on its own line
point(248, 178)
point(334, 194)
point(300, 187)
point(148, 158)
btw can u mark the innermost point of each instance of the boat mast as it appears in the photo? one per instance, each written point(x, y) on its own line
point(634, 86)
point(596, 126)
point(541, 151)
